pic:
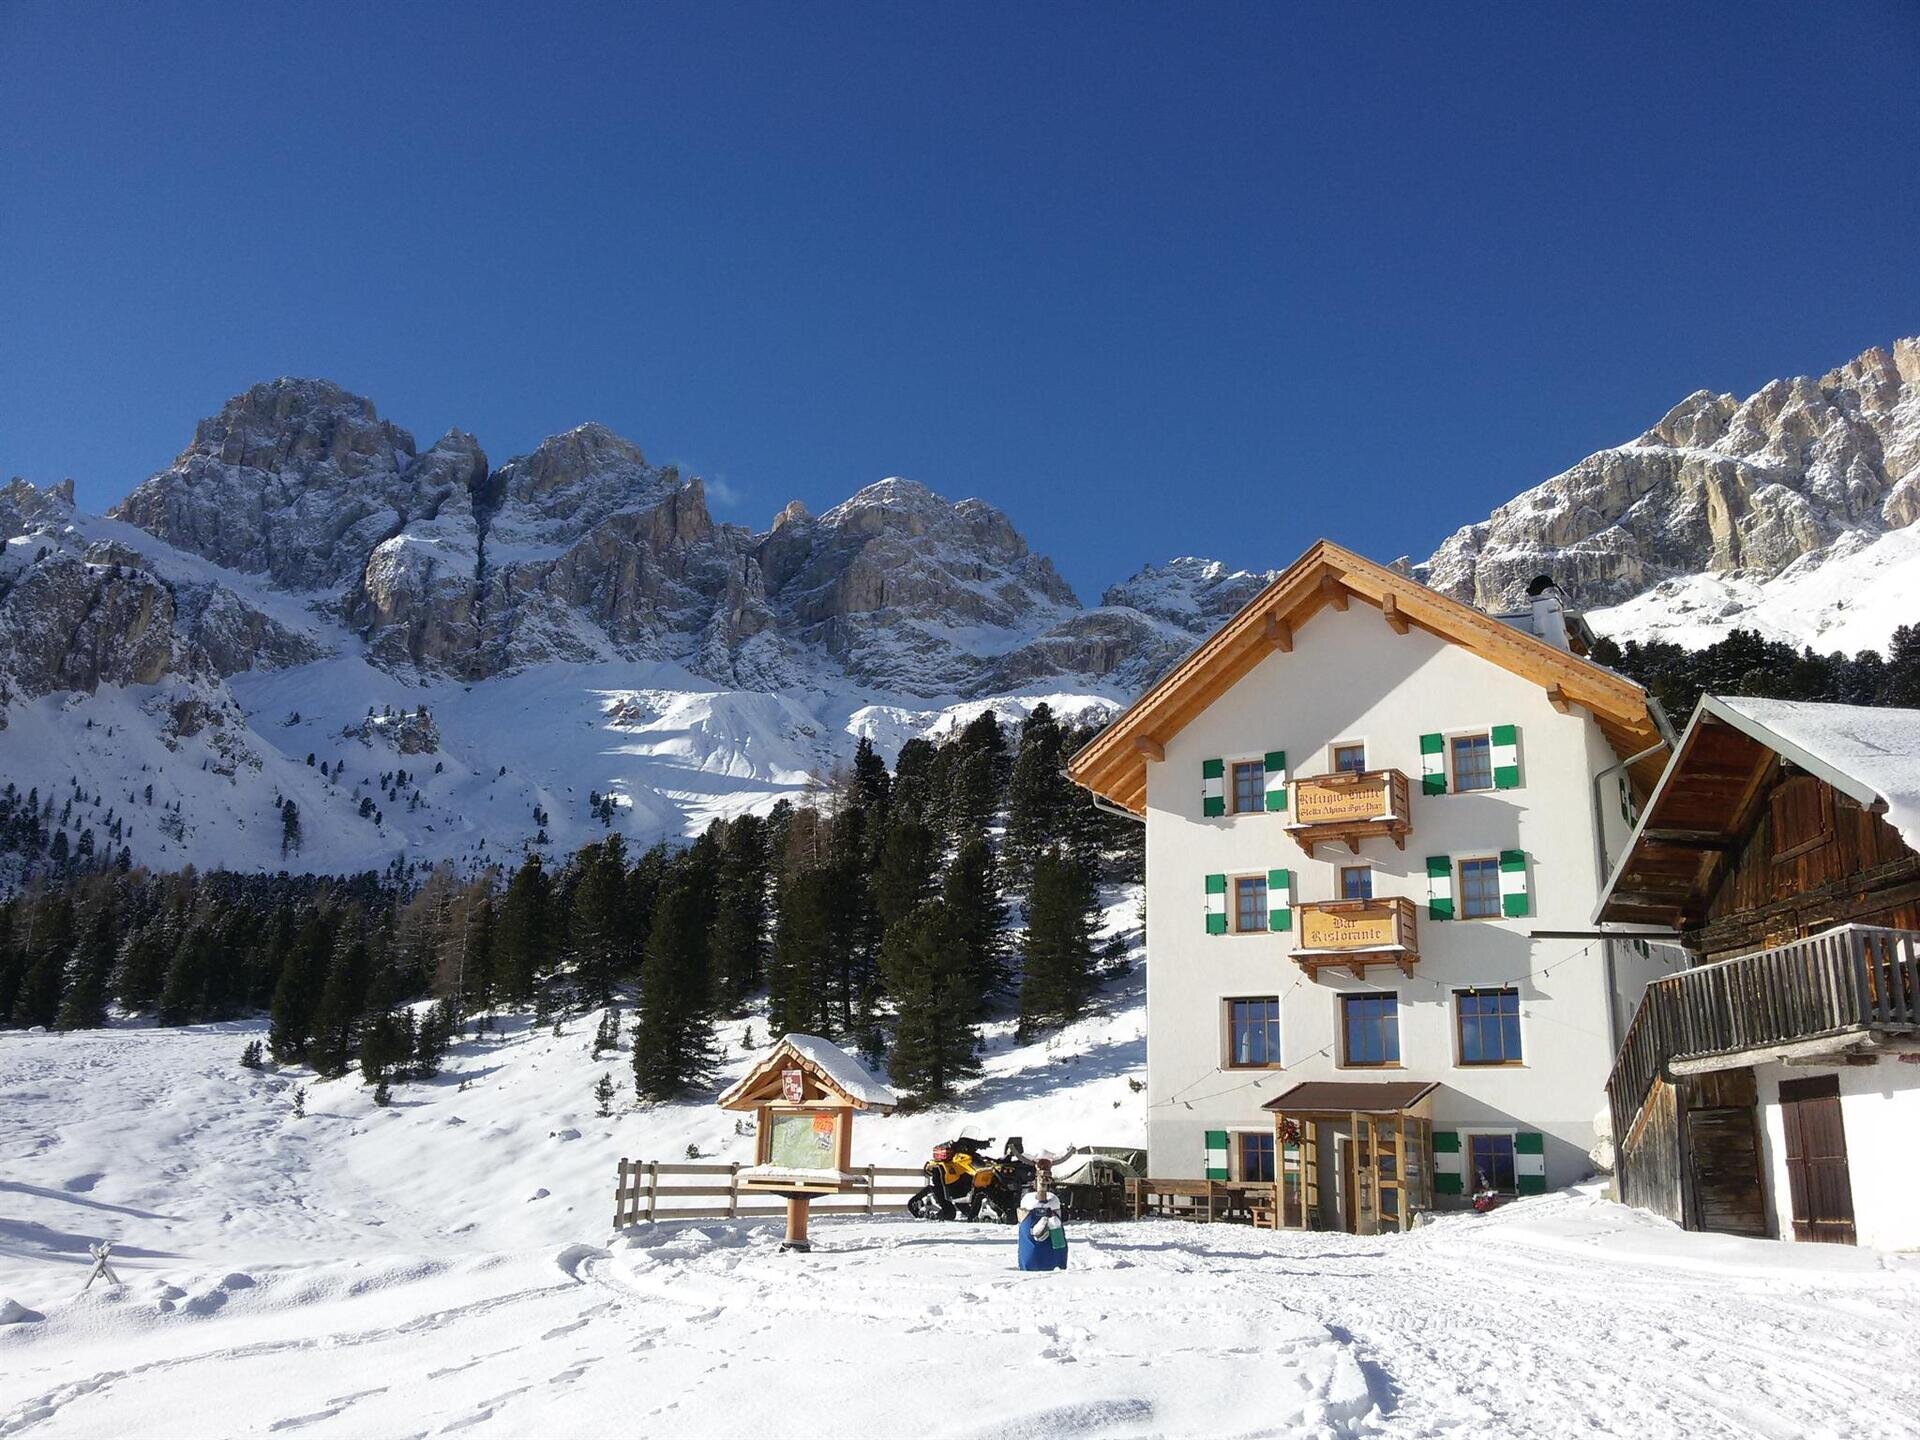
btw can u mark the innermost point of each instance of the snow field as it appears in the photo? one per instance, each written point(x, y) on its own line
point(444, 1266)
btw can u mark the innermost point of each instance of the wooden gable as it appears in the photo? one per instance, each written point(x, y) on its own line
point(1743, 848)
point(766, 1084)
point(1114, 764)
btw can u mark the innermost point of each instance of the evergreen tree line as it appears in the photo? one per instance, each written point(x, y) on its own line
point(876, 910)
point(1746, 664)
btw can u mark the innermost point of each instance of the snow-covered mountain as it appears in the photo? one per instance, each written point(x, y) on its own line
point(480, 657)
point(1791, 512)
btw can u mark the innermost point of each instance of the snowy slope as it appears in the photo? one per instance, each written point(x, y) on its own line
point(446, 1266)
point(1849, 596)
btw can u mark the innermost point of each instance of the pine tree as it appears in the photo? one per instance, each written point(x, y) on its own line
point(739, 939)
point(521, 934)
point(251, 1056)
point(902, 876)
point(1057, 951)
point(183, 995)
point(337, 1019)
point(46, 944)
point(290, 826)
point(1040, 799)
point(799, 980)
point(597, 927)
point(607, 1035)
point(929, 977)
point(296, 996)
point(971, 893)
point(84, 1002)
point(603, 1096)
point(673, 1038)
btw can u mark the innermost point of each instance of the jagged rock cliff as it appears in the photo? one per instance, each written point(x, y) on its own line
point(1720, 486)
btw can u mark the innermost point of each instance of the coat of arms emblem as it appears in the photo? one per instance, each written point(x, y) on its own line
point(793, 1085)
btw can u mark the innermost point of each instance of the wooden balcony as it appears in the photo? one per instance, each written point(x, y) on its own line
point(1826, 995)
point(1353, 934)
point(1349, 807)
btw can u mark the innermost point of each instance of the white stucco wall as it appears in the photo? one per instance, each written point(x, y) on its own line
point(1351, 677)
point(1880, 1112)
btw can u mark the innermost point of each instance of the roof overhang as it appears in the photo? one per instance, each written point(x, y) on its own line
point(1351, 1097)
point(1701, 810)
point(1114, 764)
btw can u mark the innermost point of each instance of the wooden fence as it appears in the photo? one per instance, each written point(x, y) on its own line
point(648, 1190)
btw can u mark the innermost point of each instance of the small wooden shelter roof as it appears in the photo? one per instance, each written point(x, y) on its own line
point(1346, 1097)
point(1709, 799)
point(1114, 764)
point(833, 1077)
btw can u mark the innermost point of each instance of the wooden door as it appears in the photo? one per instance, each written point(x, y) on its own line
point(1821, 1189)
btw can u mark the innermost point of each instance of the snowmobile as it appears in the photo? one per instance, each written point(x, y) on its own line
point(962, 1178)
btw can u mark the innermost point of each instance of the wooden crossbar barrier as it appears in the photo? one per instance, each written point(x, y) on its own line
point(648, 1191)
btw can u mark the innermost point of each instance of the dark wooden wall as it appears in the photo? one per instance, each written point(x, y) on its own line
point(1815, 859)
point(1725, 1192)
point(1649, 1160)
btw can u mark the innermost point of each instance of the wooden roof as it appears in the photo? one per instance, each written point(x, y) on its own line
point(830, 1077)
point(1700, 813)
point(1114, 764)
point(1344, 1097)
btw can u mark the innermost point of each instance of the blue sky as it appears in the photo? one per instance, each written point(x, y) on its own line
point(1211, 279)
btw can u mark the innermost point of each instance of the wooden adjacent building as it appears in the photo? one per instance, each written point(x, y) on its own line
point(1773, 1088)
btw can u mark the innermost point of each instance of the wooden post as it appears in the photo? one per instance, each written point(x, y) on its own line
point(797, 1224)
point(870, 1183)
point(620, 1196)
point(733, 1192)
point(653, 1187)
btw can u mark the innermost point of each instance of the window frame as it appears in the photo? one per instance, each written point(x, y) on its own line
point(1460, 887)
point(1346, 1060)
point(1517, 1062)
point(1240, 1138)
point(1333, 757)
point(1468, 1138)
point(1255, 763)
point(1227, 1002)
point(1453, 770)
point(1363, 867)
point(1234, 927)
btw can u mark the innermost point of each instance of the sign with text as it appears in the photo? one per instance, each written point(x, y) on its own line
point(1347, 929)
point(1329, 801)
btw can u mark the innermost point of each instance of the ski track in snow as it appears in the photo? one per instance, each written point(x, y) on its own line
point(367, 1272)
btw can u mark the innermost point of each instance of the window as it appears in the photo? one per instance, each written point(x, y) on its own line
point(1256, 1155)
point(1250, 903)
point(1371, 1025)
point(1349, 759)
point(1253, 1032)
point(1356, 882)
point(1479, 889)
point(1489, 1022)
point(1472, 762)
point(1249, 786)
point(1491, 1159)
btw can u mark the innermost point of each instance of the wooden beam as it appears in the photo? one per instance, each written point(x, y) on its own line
point(1334, 592)
point(1557, 698)
point(1148, 746)
point(1690, 839)
point(1390, 607)
point(1279, 634)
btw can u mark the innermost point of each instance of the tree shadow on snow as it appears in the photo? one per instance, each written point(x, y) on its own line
point(41, 1192)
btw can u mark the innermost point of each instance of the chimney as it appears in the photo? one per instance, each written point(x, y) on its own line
point(1549, 611)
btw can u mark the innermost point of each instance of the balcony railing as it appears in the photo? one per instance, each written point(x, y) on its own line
point(1851, 980)
point(1350, 806)
point(1353, 934)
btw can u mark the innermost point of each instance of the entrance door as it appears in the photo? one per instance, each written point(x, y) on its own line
point(1817, 1179)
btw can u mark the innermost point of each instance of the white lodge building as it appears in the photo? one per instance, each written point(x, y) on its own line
point(1362, 800)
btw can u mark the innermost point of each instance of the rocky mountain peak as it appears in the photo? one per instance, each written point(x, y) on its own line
point(1733, 487)
point(1195, 594)
point(295, 425)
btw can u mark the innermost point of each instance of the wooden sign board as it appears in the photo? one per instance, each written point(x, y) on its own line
point(1348, 929)
point(1327, 802)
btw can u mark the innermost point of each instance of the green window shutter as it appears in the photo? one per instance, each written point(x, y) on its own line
point(1439, 887)
point(1213, 787)
point(1530, 1162)
point(1514, 899)
point(1449, 1165)
point(1216, 904)
point(1506, 757)
point(1280, 900)
point(1276, 780)
point(1433, 765)
point(1217, 1155)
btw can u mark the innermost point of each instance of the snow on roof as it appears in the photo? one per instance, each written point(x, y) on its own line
point(845, 1072)
point(1876, 748)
